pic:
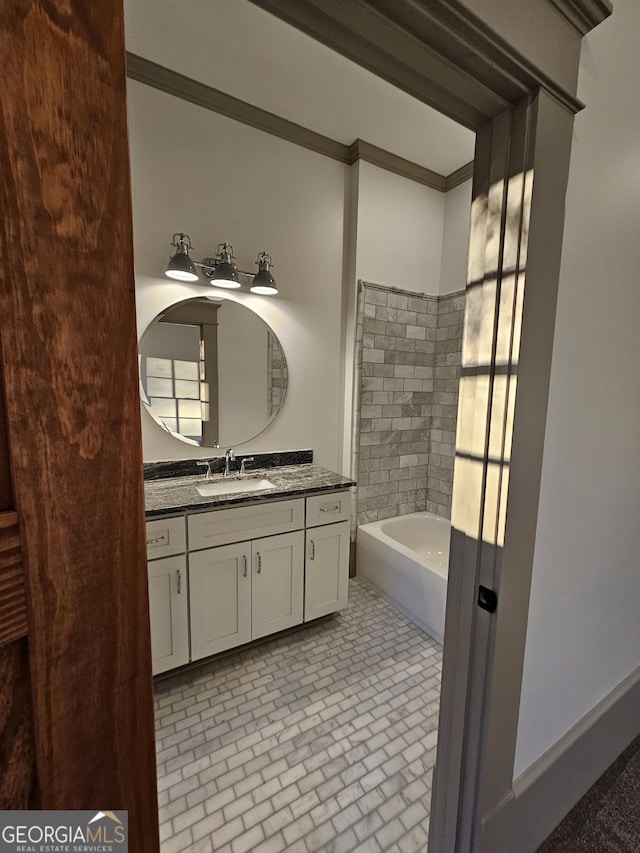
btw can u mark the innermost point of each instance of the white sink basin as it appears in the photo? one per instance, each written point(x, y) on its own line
point(231, 487)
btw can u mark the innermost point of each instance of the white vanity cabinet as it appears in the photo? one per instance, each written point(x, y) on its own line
point(168, 607)
point(253, 570)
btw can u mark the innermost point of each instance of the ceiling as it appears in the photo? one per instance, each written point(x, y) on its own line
point(238, 48)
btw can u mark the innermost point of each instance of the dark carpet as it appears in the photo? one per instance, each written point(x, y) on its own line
point(607, 818)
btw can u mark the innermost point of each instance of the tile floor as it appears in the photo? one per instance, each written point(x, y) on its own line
point(321, 740)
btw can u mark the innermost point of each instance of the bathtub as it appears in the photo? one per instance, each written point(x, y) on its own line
point(406, 559)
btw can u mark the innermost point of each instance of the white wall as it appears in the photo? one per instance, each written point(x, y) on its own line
point(455, 241)
point(242, 373)
point(583, 633)
point(217, 180)
point(400, 230)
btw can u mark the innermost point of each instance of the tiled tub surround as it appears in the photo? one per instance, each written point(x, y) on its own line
point(317, 741)
point(178, 494)
point(409, 364)
point(444, 405)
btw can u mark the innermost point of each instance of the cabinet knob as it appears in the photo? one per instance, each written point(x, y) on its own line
point(244, 573)
point(259, 563)
point(157, 541)
point(313, 550)
point(179, 581)
point(333, 508)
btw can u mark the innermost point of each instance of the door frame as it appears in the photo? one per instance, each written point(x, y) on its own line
point(448, 57)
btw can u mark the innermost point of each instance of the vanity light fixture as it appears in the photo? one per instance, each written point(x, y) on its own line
point(180, 266)
point(220, 269)
point(263, 282)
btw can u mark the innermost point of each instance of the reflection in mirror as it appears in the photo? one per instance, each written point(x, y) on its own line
point(211, 373)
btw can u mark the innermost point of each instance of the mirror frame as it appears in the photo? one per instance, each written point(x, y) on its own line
point(143, 394)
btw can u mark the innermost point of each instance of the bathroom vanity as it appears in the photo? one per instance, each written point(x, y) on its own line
point(229, 567)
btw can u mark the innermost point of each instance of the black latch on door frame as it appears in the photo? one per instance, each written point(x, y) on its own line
point(487, 599)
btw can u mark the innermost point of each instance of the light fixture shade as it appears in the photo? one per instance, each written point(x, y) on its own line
point(180, 266)
point(225, 275)
point(221, 270)
point(263, 282)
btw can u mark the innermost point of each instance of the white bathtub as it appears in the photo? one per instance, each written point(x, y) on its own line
point(406, 559)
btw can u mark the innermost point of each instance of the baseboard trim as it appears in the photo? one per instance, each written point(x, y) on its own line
point(548, 790)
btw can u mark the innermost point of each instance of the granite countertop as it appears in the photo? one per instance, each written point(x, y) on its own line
point(179, 494)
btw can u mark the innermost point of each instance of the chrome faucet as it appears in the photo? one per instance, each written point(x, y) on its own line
point(207, 474)
point(229, 456)
point(246, 459)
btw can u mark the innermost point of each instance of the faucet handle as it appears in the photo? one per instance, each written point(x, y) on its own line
point(246, 459)
point(207, 474)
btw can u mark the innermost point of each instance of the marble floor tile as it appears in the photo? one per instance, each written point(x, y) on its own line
point(320, 740)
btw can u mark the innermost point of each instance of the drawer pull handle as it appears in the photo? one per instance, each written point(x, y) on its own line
point(334, 508)
point(244, 573)
point(313, 550)
point(259, 563)
point(179, 581)
point(158, 540)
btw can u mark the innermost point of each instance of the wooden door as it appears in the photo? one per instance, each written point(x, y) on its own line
point(277, 584)
point(76, 709)
point(326, 570)
point(220, 598)
point(18, 784)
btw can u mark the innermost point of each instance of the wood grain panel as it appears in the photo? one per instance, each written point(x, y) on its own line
point(13, 606)
point(69, 353)
point(18, 788)
point(6, 492)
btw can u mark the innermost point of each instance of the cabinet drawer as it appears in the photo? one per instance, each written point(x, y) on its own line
point(325, 509)
point(165, 536)
point(224, 526)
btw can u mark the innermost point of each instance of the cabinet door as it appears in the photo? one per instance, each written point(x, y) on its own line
point(220, 598)
point(327, 570)
point(168, 612)
point(278, 581)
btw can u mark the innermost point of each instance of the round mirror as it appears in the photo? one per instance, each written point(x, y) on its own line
point(211, 373)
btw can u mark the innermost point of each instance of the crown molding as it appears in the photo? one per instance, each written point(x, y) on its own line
point(165, 80)
point(584, 15)
point(361, 150)
point(464, 173)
